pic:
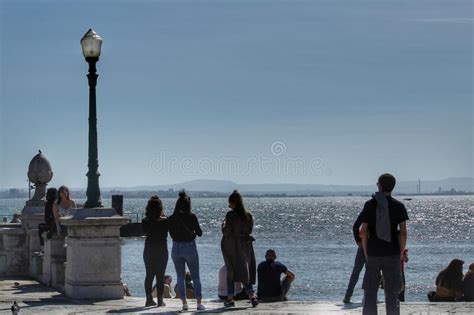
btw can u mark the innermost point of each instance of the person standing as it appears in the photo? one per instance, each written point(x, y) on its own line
point(359, 260)
point(184, 227)
point(155, 253)
point(237, 249)
point(404, 260)
point(382, 216)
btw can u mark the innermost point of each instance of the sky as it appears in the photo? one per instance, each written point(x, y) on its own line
point(323, 92)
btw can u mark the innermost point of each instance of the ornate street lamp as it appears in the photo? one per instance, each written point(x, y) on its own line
point(91, 44)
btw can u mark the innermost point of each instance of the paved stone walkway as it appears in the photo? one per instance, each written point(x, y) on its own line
point(34, 298)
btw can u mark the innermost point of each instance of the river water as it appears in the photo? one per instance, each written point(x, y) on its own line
point(313, 237)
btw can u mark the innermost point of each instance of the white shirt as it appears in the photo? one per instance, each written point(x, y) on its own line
point(222, 286)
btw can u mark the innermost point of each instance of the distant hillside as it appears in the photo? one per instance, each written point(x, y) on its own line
point(465, 184)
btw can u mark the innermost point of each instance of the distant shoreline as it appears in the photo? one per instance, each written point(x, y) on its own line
point(198, 194)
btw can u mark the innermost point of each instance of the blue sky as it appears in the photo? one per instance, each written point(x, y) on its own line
point(362, 87)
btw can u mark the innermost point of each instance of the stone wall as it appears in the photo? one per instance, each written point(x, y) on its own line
point(14, 260)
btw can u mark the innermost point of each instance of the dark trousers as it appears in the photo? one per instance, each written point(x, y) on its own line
point(359, 263)
point(155, 257)
point(285, 287)
point(45, 227)
point(390, 267)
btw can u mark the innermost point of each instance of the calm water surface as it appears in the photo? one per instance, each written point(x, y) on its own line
point(313, 237)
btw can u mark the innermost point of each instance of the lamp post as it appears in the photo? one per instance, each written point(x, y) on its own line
point(91, 44)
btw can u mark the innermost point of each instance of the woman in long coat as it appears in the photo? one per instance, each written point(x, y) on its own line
point(237, 249)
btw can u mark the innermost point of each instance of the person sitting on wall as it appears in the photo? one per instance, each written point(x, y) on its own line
point(48, 226)
point(270, 286)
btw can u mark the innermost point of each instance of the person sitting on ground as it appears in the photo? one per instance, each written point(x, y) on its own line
point(270, 286)
point(167, 289)
point(448, 283)
point(188, 282)
point(468, 284)
point(16, 218)
point(240, 292)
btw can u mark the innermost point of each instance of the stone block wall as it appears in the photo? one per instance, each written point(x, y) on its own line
point(14, 260)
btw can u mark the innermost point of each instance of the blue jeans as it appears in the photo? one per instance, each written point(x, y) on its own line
point(390, 267)
point(185, 253)
point(359, 263)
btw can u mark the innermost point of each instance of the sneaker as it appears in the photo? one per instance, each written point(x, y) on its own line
point(161, 303)
point(185, 307)
point(254, 301)
point(347, 299)
point(229, 303)
point(201, 307)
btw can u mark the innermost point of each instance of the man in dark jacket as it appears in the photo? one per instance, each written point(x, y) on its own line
point(359, 261)
point(383, 247)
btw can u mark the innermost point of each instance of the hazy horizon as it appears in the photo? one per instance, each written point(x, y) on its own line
point(307, 92)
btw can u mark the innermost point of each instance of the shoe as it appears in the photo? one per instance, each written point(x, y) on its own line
point(254, 301)
point(201, 307)
point(229, 303)
point(185, 307)
point(150, 302)
point(161, 303)
point(347, 299)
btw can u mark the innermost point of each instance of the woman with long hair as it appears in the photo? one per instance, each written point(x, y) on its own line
point(237, 249)
point(449, 283)
point(62, 206)
point(48, 225)
point(155, 253)
point(184, 227)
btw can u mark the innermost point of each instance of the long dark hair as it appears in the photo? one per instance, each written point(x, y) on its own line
point(51, 196)
point(154, 208)
point(451, 276)
point(183, 204)
point(60, 190)
point(238, 201)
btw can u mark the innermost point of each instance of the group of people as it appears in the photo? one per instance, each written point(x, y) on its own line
point(58, 204)
point(452, 285)
point(380, 233)
point(238, 275)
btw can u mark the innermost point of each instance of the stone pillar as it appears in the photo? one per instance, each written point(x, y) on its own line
point(53, 262)
point(40, 174)
point(93, 267)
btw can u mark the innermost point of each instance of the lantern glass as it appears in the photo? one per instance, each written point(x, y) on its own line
point(91, 44)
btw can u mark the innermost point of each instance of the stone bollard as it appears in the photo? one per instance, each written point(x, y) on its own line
point(93, 267)
point(53, 262)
